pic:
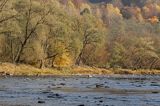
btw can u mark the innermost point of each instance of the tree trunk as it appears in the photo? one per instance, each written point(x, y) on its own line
point(79, 59)
point(152, 64)
point(42, 64)
point(18, 55)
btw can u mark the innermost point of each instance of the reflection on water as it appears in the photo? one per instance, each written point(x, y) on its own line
point(81, 91)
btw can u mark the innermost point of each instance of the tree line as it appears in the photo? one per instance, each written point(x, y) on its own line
point(60, 33)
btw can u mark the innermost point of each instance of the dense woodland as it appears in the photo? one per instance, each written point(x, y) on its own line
point(96, 33)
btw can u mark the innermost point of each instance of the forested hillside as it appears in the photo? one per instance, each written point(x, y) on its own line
point(64, 33)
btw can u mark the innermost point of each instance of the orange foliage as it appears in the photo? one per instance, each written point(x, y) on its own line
point(153, 19)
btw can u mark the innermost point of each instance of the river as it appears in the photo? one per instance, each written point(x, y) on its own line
point(117, 90)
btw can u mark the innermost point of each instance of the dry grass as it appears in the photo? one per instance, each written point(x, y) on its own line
point(11, 69)
point(138, 72)
point(25, 70)
point(85, 70)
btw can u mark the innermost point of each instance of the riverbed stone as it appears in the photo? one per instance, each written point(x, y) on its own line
point(41, 102)
point(54, 96)
point(99, 85)
point(81, 105)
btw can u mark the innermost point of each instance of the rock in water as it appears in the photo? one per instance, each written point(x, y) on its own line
point(99, 86)
point(81, 105)
point(41, 102)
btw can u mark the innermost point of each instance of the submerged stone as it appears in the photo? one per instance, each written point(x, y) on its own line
point(81, 105)
point(99, 85)
point(40, 102)
point(54, 96)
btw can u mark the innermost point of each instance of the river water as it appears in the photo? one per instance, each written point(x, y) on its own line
point(118, 90)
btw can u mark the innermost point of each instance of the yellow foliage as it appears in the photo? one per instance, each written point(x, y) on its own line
point(63, 61)
point(84, 5)
point(70, 7)
point(111, 10)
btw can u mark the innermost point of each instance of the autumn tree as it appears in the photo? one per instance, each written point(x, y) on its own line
point(6, 13)
point(90, 30)
point(52, 38)
point(31, 15)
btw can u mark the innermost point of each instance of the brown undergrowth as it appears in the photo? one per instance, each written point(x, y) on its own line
point(27, 70)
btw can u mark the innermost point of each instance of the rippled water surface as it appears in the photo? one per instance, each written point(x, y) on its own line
point(80, 91)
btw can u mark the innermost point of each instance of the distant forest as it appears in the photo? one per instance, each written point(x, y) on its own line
point(97, 33)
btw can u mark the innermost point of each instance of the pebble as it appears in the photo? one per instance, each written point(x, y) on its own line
point(62, 84)
point(54, 96)
point(157, 85)
point(107, 87)
point(81, 105)
point(155, 92)
point(100, 101)
point(99, 85)
point(41, 102)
